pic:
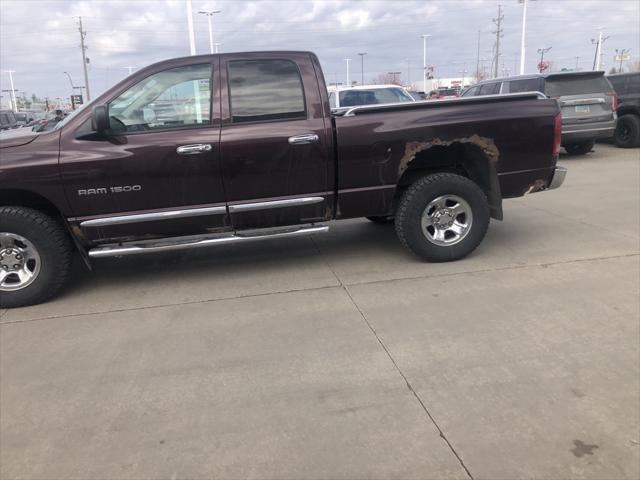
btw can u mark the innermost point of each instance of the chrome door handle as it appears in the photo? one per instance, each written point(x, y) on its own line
point(193, 149)
point(302, 139)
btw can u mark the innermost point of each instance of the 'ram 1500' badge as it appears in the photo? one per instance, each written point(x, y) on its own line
point(105, 190)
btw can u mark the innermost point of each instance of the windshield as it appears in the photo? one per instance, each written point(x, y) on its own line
point(374, 96)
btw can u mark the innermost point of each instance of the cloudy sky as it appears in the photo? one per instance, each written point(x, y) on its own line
point(40, 40)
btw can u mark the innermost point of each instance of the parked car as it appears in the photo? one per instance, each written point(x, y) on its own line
point(587, 100)
point(418, 96)
point(443, 93)
point(27, 117)
point(341, 97)
point(627, 86)
point(7, 120)
point(266, 159)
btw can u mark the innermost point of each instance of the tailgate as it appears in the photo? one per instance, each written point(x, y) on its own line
point(585, 108)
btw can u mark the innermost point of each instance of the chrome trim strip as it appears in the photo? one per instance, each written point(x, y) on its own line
point(588, 130)
point(582, 101)
point(202, 241)
point(150, 217)
point(290, 202)
point(558, 178)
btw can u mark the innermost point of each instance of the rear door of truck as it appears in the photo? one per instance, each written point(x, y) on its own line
point(276, 142)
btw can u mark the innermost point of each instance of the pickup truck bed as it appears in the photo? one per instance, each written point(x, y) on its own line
point(214, 149)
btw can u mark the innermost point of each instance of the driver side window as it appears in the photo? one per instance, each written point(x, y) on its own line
point(175, 98)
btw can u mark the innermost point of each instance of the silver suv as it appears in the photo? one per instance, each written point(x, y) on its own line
point(587, 100)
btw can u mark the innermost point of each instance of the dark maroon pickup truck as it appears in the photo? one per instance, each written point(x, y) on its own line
point(214, 149)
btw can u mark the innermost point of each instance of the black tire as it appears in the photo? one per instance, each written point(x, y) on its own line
point(627, 134)
point(54, 249)
point(414, 202)
point(381, 220)
point(580, 148)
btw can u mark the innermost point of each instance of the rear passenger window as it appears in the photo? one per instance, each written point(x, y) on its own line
point(528, 85)
point(490, 89)
point(265, 90)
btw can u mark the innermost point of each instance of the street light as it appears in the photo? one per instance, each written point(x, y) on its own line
point(14, 105)
point(362, 67)
point(216, 45)
point(424, 61)
point(348, 81)
point(210, 14)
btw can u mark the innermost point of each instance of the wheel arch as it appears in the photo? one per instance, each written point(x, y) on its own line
point(474, 158)
point(29, 199)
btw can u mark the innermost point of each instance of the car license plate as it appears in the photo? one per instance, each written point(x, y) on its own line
point(582, 108)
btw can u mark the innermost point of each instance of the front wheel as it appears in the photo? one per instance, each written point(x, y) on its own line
point(442, 217)
point(35, 257)
point(580, 148)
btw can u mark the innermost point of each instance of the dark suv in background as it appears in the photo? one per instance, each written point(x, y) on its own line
point(627, 86)
point(587, 100)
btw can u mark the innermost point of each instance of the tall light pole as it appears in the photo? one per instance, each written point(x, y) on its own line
point(597, 60)
point(216, 45)
point(130, 69)
point(192, 36)
point(348, 80)
point(362, 54)
point(14, 105)
point(210, 14)
point(409, 72)
point(524, 25)
point(424, 61)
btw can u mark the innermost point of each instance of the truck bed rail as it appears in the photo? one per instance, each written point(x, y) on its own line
point(352, 111)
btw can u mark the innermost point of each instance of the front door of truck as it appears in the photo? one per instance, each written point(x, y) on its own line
point(275, 147)
point(157, 172)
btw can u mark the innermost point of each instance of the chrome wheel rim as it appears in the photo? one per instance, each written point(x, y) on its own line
point(447, 220)
point(19, 262)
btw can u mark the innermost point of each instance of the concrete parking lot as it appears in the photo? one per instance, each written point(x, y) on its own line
point(342, 356)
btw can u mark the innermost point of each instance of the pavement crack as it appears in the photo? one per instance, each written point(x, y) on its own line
point(396, 366)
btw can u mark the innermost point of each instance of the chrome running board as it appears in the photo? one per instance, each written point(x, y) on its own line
point(195, 241)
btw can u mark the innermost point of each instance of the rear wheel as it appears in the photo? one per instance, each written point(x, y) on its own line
point(35, 257)
point(580, 148)
point(442, 217)
point(627, 134)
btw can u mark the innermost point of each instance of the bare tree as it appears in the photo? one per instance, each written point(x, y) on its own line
point(386, 79)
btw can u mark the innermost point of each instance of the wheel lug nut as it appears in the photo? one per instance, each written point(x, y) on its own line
point(18, 257)
point(16, 266)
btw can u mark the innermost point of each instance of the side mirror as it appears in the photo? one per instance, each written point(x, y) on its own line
point(100, 119)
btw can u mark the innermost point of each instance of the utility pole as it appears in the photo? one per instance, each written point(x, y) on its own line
point(498, 32)
point(424, 62)
point(408, 71)
point(577, 62)
point(14, 105)
point(84, 57)
point(348, 80)
point(192, 36)
point(131, 69)
point(620, 54)
point(542, 51)
point(210, 14)
point(216, 45)
point(362, 54)
point(478, 59)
